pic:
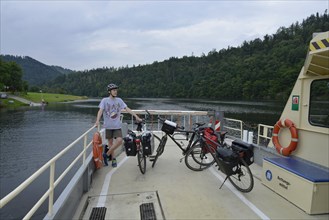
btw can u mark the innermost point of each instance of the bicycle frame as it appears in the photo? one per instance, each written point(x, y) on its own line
point(190, 140)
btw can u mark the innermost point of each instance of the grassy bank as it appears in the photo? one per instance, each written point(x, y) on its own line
point(51, 97)
point(37, 97)
point(11, 103)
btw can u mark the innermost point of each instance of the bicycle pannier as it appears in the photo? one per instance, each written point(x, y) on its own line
point(130, 145)
point(168, 127)
point(228, 160)
point(148, 143)
point(247, 149)
point(211, 139)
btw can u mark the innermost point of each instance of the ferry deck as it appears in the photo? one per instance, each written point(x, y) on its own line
point(179, 193)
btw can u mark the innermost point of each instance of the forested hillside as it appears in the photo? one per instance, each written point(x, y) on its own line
point(261, 69)
point(35, 72)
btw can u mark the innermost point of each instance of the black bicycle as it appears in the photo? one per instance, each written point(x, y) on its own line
point(232, 160)
point(171, 129)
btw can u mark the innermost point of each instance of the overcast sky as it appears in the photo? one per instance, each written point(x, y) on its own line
point(88, 34)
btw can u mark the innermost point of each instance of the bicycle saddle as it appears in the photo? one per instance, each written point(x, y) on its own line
point(199, 124)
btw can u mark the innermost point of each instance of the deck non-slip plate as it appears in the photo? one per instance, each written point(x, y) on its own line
point(98, 213)
point(139, 205)
point(147, 211)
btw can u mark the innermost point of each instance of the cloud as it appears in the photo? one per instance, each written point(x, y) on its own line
point(90, 34)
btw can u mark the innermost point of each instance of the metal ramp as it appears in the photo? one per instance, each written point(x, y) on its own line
point(139, 205)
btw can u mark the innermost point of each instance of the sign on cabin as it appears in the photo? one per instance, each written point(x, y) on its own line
point(295, 103)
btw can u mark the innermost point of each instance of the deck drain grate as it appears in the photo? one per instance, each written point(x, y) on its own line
point(98, 213)
point(147, 211)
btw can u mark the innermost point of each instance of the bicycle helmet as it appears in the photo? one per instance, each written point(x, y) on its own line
point(112, 86)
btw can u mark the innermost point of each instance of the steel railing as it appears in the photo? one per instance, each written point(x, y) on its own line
point(234, 127)
point(187, 118)
point(51, 164)
point(182, 118)
point(264, 135)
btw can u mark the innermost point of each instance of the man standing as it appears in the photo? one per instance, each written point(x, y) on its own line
point(110, 108)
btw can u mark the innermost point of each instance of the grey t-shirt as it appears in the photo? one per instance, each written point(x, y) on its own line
point(111, 112)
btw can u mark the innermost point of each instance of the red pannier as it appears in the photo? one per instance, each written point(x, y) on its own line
point(211, 140)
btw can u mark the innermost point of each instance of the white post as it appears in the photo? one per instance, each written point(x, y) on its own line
point(250, 137)
point(245, 135)
point(51, 187)
point(84, 147)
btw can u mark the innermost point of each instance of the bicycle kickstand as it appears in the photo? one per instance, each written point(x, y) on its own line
point(223, 182)
point(181, 159)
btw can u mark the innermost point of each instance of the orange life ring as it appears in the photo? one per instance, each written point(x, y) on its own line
point(285, 123)
point(98, 150)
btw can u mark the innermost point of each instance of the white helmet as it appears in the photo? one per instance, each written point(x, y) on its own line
point(112, 86)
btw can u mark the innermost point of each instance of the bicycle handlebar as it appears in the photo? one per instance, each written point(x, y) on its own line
point(163, 120)
point(198, 124)
point(178, 128)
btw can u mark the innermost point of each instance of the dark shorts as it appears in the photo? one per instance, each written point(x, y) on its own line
point(113, 133)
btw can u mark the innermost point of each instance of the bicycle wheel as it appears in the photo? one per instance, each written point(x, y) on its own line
point(162, 144)
point(196, 159)
point(157, 137)
point(141, 160)
point(160, 148)
point(243, 179)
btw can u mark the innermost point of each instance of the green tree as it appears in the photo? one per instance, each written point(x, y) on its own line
point(11, 77)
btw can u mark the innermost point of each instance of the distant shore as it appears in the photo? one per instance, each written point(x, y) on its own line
point(35, 99)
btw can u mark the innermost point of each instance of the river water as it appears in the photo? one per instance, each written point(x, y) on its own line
point(31, 136)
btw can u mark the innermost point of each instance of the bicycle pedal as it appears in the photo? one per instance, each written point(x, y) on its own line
point(151, 159)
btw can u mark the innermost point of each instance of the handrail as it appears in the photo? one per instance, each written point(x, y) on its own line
point(171, 113)
point(188, 121)
point(52, 183)
point(263, 132)
point(239, 125)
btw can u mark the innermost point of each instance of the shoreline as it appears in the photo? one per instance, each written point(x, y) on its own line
point(31, 99)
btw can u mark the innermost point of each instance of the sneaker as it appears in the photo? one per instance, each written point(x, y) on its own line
point(105, 159)
point(114, 162)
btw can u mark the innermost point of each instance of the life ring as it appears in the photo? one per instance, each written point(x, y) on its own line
point(285, 123)
point(97, 150)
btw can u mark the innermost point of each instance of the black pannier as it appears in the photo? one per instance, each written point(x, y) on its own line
point(247, 149)
point(147, 143)
point(229, 160)
point(130, 145)
point(168, 127)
